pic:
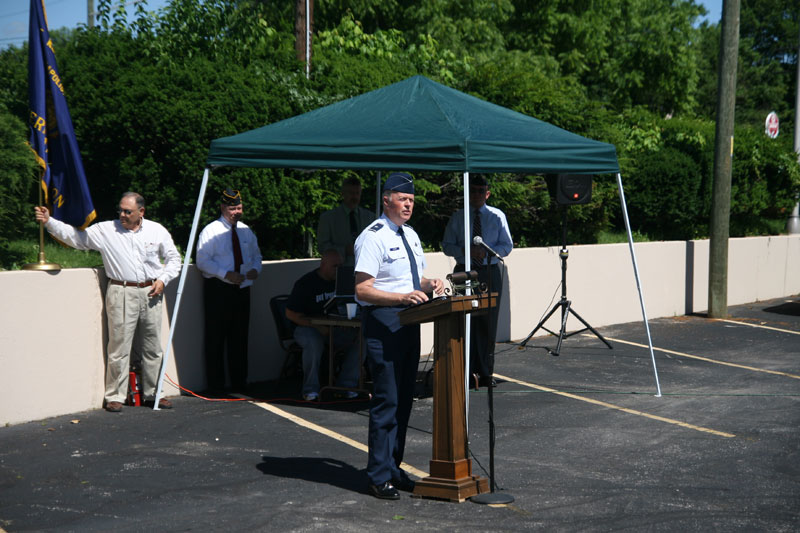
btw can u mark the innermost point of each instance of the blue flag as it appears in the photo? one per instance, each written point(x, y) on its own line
point(52, 137)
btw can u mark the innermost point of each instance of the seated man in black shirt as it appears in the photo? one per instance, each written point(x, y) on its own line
point(308, 298)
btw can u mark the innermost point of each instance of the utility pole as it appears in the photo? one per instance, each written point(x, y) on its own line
point(723, 162)
point(793, 224)
point(303, 28)
point(90, 13)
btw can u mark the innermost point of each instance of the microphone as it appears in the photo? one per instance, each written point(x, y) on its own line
point(478, 241)
point(463, 277)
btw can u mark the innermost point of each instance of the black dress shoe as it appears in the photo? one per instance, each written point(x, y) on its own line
point(384, 491)
point(487, 381)
point(404, 483)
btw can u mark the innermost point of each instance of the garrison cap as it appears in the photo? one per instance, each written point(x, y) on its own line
point(399, 182)
point(231, 197)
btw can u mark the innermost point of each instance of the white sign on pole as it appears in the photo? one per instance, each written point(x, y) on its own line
point(772, 125)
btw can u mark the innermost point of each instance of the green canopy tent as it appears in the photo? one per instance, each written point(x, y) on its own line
point(415, 124)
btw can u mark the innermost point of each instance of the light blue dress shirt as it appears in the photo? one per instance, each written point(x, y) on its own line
point(381, 254)
point(494, 232)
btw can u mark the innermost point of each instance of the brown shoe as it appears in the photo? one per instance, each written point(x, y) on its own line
point(163, 403)
point(113, 407)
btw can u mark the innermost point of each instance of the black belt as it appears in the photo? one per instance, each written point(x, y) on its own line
point(140, 284)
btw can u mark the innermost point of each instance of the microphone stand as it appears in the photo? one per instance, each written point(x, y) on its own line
point(492, 497)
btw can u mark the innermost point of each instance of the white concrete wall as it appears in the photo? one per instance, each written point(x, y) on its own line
point(52, 326)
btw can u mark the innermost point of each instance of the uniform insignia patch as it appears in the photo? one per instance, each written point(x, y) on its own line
point(376, 226)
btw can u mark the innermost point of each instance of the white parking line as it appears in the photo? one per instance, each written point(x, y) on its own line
point(708, 360)
point(328, 433)
point(759, 326)
point(616, 407)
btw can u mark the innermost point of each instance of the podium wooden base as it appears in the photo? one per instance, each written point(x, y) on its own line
point(450, 468)
point(452, 481)
point(451, 490)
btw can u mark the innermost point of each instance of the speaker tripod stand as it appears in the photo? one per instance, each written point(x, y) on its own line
point(564, 304)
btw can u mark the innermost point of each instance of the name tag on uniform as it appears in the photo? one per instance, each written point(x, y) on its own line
point(394, 249)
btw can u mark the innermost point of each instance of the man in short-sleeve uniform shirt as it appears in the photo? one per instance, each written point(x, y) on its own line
point(389, 266)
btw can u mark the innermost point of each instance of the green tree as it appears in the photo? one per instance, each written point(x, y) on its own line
point(630, 52)
point(147, 98)
point(765, 78)
point(18, 185)
point(240, 31)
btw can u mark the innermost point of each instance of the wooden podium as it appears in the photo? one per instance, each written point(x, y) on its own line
point(451, 475)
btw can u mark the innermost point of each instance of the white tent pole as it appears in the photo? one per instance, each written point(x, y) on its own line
point(468, 323)
point(187, 258)
point(638, 283)
point(378, 195)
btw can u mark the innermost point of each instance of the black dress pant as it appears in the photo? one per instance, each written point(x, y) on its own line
point(227, 319)
point(484, 325)
point(393, 359)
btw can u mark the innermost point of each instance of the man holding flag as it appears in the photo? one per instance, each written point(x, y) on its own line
point(52, 138)
point(140, 259)
point(138, 255)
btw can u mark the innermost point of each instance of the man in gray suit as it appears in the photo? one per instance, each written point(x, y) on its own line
point(339, 227)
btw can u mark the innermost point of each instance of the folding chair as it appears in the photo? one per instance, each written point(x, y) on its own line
point(293, 364)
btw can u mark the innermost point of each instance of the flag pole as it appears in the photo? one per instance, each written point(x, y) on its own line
point(42, 264)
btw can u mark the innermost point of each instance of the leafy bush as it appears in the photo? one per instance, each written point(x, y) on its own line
point(18, 186)
point(148, 97)
point(764, 182)
point(664, 196)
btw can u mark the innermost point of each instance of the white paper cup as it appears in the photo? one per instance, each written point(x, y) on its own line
point(351, 311)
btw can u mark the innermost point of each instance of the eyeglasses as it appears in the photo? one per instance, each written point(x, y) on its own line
point(126, 211)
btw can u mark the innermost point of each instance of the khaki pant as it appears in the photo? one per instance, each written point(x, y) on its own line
point(134, 324)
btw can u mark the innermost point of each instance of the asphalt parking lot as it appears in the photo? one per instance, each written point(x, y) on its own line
point(582, 444)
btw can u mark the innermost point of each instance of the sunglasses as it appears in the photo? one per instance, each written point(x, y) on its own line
point(126, 211)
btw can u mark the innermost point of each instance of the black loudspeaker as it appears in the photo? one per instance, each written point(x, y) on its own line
point(570, 189)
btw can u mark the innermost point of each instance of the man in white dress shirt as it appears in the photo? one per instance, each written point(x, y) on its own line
point(139, 259)
point(229, 259)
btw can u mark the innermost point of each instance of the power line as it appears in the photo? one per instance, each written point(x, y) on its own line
point(52, 3)
point(24, 37)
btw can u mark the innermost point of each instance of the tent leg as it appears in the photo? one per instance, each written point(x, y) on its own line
point(186, 260)
point(468, 318)
point(378, 195)
point(638, 283)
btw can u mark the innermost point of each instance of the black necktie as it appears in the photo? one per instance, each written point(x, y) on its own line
point(237, 249)
point(353, 225)
point(477, 230)
point(411, 259)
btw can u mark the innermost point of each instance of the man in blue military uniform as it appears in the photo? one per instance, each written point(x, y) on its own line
point(389, 263)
